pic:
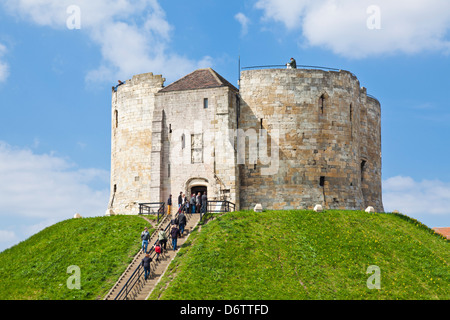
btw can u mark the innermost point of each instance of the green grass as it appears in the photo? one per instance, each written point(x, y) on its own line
point(307, 255)
point(101, 247)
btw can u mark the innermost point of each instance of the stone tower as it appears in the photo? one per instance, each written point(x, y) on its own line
point(288, 139)
point(167, 140)
point(328, 135)
point(133, 107)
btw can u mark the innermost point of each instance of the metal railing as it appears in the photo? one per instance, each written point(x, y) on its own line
point(220, 206)
point(136, 281)
point(157, 208)
point(284, 66)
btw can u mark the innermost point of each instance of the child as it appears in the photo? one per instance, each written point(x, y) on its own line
point(157, 250)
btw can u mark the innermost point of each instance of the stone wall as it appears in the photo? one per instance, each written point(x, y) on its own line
point(371, 153)
point(289, 139)
point(208, 160)
point(131, 142)
point(313, 117)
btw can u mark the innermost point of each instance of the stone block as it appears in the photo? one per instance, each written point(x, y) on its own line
point(318, 208)
point(370, 209)
point(258, 208)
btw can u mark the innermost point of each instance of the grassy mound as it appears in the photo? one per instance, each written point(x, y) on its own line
point(101, 247)
point(308, 255)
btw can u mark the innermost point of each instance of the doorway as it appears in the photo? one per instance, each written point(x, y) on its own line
point(195, 190)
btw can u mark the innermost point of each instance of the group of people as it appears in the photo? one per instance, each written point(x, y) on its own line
point(178, 223)
point(193, 204)
point(160, 246)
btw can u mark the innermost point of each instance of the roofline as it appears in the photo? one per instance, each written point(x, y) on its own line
point(217, 76)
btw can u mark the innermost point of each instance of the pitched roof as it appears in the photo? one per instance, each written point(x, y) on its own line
point(199, 79)
point(443, 231)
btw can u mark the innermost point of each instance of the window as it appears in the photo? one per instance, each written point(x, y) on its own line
point(183, 144)
point(322, 181)
point(351, 112)
point(116, 116)
point(205, 103)
point(322, 103)
point(197, 148)
point(363, 169)
point(168, 170)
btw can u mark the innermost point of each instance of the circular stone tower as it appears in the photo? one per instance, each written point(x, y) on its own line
point(318, 141)
point(133, 105)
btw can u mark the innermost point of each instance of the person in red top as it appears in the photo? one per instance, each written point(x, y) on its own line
point(157, 250)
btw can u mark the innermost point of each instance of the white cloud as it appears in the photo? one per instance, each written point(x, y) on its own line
point(133, 35)
point(39, 190)
point(4, 68)
point(7, 236)
point(44, 186)
point(244, 21)
point(406, 26)
point(421, 200)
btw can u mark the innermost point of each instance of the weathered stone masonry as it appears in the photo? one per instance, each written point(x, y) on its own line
point(323, 142)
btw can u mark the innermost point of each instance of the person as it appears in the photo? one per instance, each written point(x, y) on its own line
point(146, 264)
point(157, 250)
point(169, 205)
point(198, 200)
point(174, 233)
point(119, 84)
point(162, 238)
point(292, 64)
point(204, 202)
point(145, 237)
point(181, 222)
point(174, 220)
point(180, 199)
point(193, 203)
point(185, 203)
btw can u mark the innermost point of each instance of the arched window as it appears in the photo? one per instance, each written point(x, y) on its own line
point(322, 102)
point(363, 169)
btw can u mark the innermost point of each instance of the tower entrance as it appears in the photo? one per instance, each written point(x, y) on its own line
point(195, 190)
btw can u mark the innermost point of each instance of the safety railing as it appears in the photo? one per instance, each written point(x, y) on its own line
point(155, 208)
point(136, 281)
point(215, 206)
point(285, 66)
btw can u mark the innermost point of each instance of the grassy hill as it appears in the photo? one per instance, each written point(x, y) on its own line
point(101, 247)
point(240, 255)
point(308, 255)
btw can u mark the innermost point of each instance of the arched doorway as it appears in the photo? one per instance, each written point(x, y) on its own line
point(196, 185)
point(196, 189)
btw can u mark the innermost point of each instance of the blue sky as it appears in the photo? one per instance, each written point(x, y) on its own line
point(59, 59)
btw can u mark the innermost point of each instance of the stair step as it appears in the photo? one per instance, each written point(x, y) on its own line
point(156, 271)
